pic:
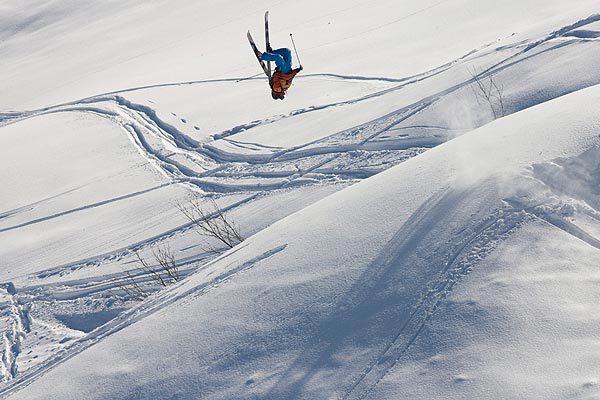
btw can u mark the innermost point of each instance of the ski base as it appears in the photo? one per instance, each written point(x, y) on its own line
point(258, 55)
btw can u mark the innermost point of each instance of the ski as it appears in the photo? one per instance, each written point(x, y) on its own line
point(268, 44)
point(258, 55)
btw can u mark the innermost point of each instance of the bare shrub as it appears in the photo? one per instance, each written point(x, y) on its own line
point(209, 221)
point(485, 88)
point(164, 272)
point(213, 222)
point(132, 288)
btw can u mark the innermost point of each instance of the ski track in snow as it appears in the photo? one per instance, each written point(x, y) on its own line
point(520, 56)
point(153, 304)
point(82, 208)
point(14, 325)
point(560, 198)
point(460, 262)
point(185, 160)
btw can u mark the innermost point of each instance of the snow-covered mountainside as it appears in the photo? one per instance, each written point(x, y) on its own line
point(422, 212)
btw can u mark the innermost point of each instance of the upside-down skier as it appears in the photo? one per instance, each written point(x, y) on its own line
point(283, 75)
point(281, 80)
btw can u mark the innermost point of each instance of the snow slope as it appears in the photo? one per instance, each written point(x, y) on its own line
point(333, 310)
point(401, 244)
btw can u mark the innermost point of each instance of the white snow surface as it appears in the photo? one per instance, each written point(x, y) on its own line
point(401, 243)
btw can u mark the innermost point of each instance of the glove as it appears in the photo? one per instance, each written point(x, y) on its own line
point(300, 68)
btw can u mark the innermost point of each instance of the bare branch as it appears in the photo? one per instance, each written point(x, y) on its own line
point(489, 91)
point(499, 95)
point(164, 273)
point(212, 222)
point(154, 272)
point(167, 263)
point(131, 288)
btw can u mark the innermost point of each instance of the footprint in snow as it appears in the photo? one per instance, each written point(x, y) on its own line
point(183, 120)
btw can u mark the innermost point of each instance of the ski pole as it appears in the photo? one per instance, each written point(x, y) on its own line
point(295, 49)
point(249, 77)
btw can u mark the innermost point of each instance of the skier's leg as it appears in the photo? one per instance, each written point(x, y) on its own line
point(277, 58)
point(286, 54)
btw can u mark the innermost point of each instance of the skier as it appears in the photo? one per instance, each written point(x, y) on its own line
point(282, 78)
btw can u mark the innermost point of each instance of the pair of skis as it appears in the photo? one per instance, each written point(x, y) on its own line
point(266, 66)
